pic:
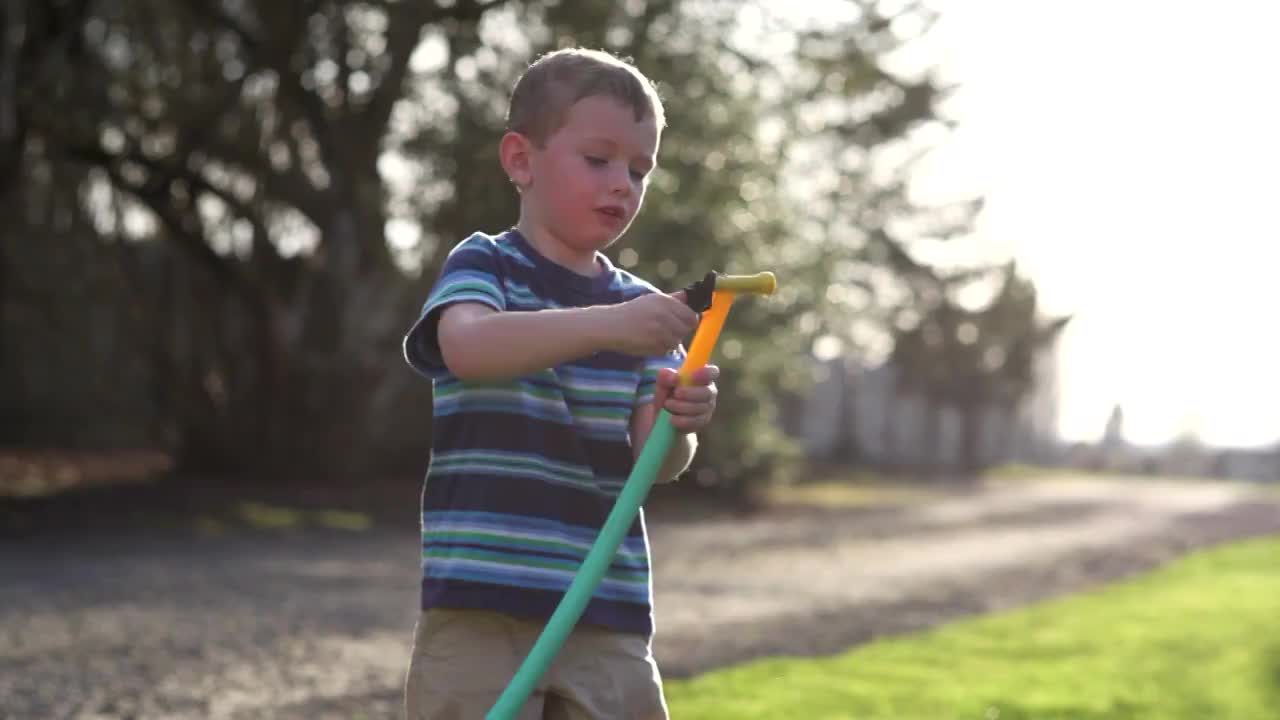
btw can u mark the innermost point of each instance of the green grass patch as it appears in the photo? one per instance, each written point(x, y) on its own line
point(839, 487)
point(268, 517)
point(845, 495)
point(264, 516)
point(342, 520)
point(1197, 639)
point(1019, 471)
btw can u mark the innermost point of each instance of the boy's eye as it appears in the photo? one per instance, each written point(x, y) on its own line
point(637, 176)
point(596, 161)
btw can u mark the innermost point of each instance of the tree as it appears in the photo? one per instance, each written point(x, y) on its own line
point(252, 137)
point(301, 169)
point(38, 40)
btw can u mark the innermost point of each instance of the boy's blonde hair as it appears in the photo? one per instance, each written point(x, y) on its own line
point(557, 80)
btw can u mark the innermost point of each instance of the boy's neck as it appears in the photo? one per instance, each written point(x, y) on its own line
point(558, 252)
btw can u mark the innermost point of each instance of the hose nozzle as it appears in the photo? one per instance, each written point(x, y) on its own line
point(763, 283)
point(699, 294)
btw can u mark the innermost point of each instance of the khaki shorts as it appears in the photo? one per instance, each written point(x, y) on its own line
point(463, 659)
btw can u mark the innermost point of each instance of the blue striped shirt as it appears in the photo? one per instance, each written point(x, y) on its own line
point(524, 471)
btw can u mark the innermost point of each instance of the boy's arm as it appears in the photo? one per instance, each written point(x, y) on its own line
point(691, 407)
point(682, 451)
point(480, 343)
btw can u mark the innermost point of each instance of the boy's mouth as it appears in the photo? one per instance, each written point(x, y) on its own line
point(612, 211)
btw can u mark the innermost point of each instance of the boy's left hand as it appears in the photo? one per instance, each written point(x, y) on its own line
point(691, 406)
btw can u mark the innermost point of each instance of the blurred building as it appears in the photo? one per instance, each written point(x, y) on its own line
point(1257, 464)
point(856, 413)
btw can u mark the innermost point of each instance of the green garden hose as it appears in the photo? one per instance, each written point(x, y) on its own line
point(722, 290)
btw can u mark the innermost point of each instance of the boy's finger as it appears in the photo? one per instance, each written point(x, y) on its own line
point(706, 375)
point(689, 423)
point(694, 393)
point(687, 314)
point(661, 395)
point(685, 408)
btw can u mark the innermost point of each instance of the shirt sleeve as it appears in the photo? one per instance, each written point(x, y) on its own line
point(471, 274)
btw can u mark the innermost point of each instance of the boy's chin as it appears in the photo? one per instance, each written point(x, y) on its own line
point(611, 240)
point(598, 243)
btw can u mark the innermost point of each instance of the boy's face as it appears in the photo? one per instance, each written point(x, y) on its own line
point(588, 179)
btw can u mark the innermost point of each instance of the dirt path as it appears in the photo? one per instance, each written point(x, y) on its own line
point(817, 582)
point(316, 624)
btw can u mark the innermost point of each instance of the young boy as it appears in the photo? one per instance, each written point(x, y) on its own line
point(549, 365)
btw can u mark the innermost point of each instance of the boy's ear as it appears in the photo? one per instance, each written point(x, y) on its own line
point(513, 151)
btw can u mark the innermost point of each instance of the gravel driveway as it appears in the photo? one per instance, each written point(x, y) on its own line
point(316, 624)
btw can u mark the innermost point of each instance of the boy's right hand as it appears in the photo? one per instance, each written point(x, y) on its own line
point(650, 325)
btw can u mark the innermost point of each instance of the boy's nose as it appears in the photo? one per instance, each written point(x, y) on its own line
point(620, 181)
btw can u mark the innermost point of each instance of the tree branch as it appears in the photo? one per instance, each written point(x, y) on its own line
point(405, 22)
point(161, 178)
point(185, 227)
point(292, 188)
point(276, 57)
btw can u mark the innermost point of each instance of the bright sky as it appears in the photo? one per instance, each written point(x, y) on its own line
point(1129, 152)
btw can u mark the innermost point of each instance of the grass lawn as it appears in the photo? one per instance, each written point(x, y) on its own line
point(836, 494)
point(1198, 639)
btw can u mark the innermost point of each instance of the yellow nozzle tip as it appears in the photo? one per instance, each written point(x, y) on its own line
point(761, 283)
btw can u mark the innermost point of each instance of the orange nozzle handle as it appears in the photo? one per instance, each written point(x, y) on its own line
point(708, 332)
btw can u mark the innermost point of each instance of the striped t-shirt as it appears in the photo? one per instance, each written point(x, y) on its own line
point(524, 471)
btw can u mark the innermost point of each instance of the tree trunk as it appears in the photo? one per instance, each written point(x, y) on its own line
point(970, 438)
point(932, 439)
point(846, 450)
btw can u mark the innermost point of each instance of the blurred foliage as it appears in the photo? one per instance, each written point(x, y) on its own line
point(274, 186)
